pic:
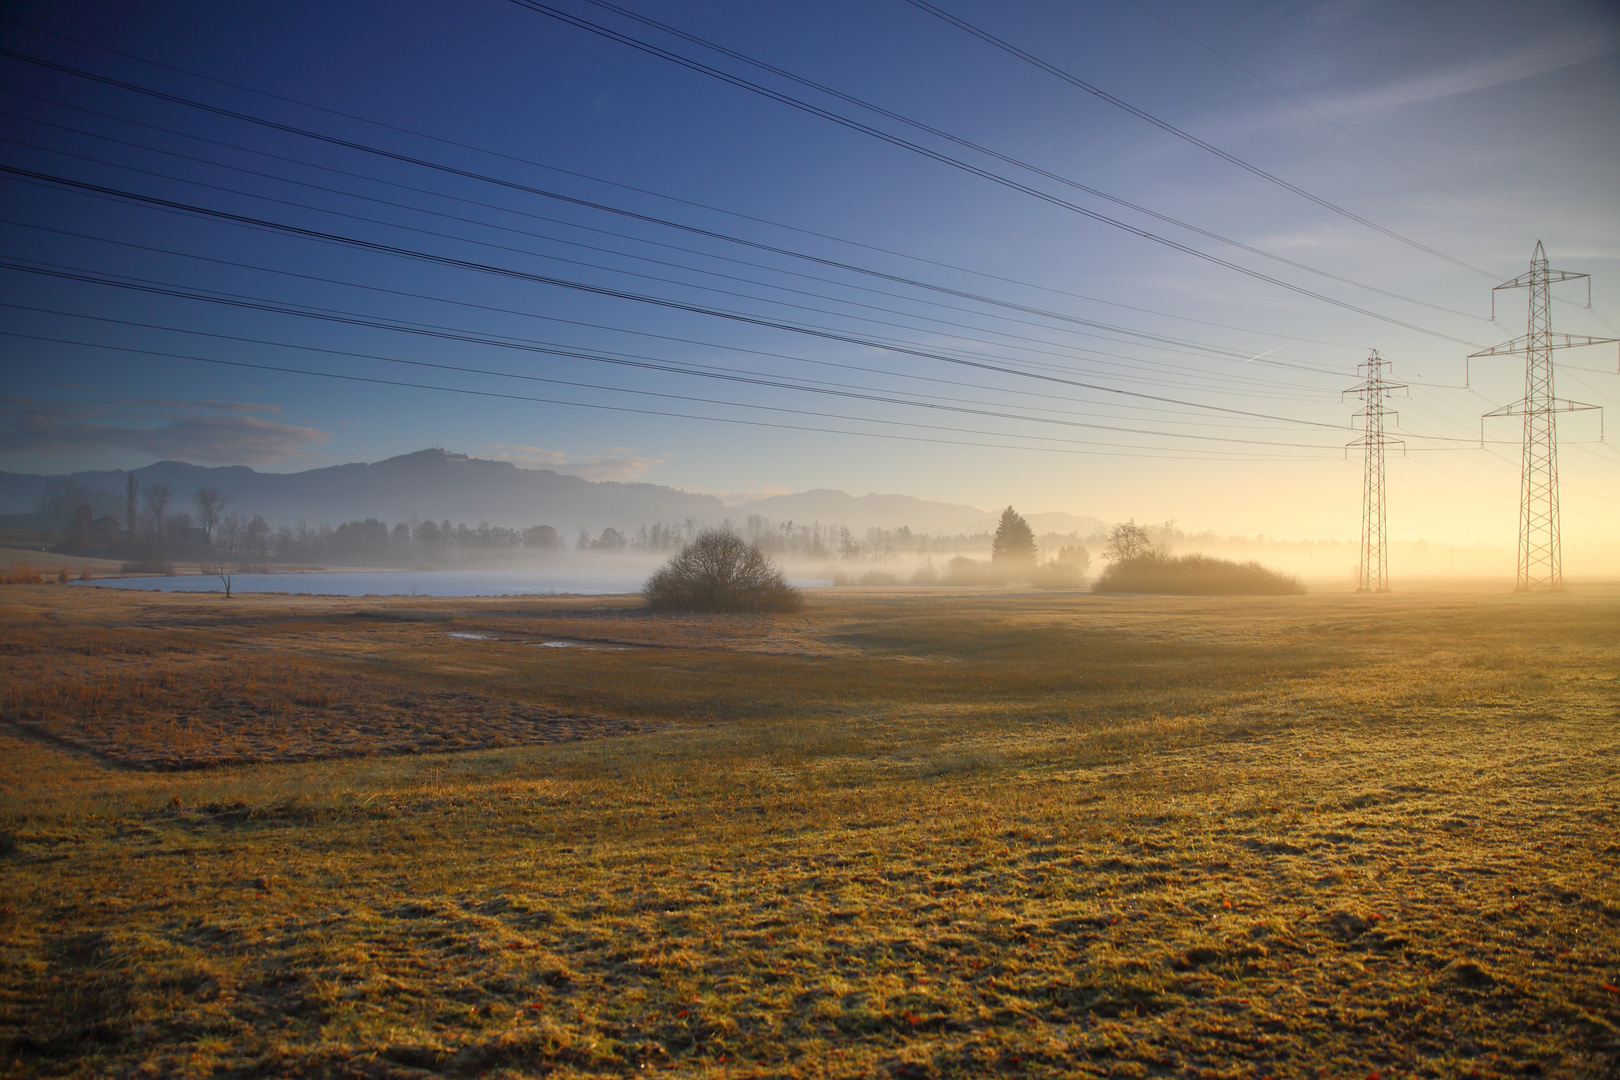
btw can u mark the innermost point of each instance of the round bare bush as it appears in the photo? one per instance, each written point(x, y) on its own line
point(720, 572)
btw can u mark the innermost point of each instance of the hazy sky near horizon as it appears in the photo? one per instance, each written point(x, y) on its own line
point(1091, 369)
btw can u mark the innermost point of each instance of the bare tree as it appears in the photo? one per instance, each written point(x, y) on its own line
point(156, 498)
point(129, 491)
point(1128, 542)
point(256, 536)
point(223, 570)
point(210, 507)
point(231, 528)
point(721, 572)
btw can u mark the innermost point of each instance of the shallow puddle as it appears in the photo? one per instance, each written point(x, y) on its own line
point(564, 643)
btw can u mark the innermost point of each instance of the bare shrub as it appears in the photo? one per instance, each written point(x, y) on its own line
point(21, 574)
point(1195, 575)
point(721, 572)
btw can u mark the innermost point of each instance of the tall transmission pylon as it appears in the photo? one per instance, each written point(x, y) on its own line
point(1541, 561)
point(1374, 573)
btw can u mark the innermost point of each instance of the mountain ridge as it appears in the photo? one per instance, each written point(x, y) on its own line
point(436, 484)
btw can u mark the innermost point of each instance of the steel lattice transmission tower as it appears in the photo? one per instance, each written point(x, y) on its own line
point(1374, 573)
point(1540, 556)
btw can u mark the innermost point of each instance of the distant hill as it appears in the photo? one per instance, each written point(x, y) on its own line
point(438, 484)
point(429, 484)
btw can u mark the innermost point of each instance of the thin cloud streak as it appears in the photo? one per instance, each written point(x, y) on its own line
point(52, 429)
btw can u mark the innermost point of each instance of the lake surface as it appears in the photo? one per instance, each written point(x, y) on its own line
point(540, 582)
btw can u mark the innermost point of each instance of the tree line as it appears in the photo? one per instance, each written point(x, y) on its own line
point(152, 525)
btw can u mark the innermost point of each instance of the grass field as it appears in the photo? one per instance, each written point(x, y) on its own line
point(902, 835)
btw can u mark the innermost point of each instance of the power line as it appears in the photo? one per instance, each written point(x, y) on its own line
point(944, 158)
point(1149, 337)
point(968, 167)
point(977, 147)
point(632, 360)
point(1162, 125)
point(640, 363)
point(545, 348)
point(881, 342)
point(598, 290)
point(896, 140)
point(605, 182)
point(618, 408)
point(557, 319)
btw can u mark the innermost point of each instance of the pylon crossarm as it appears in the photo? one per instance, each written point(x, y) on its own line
point(1575, 341)
point(1507, 348)
point(1554, 341)
point(1548, 275)
point(1563, 405)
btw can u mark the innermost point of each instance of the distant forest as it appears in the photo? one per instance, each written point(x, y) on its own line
point(151, 525)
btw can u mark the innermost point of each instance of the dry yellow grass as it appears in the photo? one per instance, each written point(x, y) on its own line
point(897, 835)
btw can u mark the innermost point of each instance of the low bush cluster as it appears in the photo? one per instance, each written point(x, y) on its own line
point(1193, 575)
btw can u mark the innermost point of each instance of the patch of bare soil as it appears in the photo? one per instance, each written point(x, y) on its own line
point(226, 729)
point(160, 701)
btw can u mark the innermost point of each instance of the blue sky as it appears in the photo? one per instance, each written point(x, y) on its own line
point(1471, 129)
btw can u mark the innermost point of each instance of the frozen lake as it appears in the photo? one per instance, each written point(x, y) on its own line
point(539, 582)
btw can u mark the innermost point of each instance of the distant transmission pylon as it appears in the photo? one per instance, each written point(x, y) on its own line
point(1374, 573)
point(1541, 562)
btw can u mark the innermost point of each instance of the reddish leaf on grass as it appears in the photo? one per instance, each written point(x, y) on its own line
point(681, 1015)
point(1610, 987)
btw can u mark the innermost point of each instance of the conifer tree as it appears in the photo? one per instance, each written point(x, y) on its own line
point(1015, 540)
